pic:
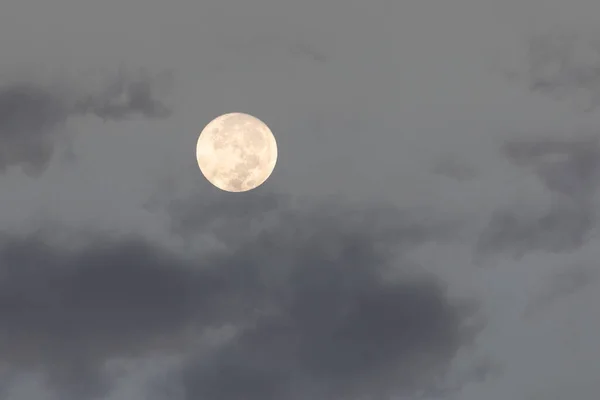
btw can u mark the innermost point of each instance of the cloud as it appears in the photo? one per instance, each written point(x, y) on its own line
point(33, 116)
point(126, 95)
point(559, 285)
point(331, 323)
point(311, 294)
point(74, 309)
point(562, 228)
point(569, 170)
point(339, 334)
point(566, 166)
point(565, 65)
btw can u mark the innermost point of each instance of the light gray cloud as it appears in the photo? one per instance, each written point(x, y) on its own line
point(309, 293)
point(559, 285)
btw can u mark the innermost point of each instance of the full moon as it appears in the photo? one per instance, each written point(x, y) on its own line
point(236, 152)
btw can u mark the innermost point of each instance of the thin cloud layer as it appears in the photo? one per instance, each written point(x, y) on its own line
point(312, 301)
point(128, 95)
point(33, 116)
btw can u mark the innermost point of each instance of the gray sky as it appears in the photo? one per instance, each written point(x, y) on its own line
point(429, 231)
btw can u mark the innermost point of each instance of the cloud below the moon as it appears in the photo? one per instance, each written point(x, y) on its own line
point(33, 115)
point(307, 294)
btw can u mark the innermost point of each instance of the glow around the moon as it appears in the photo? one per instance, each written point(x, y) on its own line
point(236, 152)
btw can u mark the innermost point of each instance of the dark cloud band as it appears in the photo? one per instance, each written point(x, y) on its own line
point(307, 293)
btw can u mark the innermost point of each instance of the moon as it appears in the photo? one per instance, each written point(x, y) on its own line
point(236, 152)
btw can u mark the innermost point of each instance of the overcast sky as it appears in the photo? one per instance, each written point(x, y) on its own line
point(429, 231)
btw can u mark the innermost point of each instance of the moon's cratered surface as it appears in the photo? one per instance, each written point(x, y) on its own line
point(236, 152)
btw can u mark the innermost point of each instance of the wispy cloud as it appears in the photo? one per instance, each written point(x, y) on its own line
point(33, 116)
point(127, 95)
point(565, 65)
point(569, 170)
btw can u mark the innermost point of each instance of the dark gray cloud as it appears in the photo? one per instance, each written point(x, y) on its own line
point(74, 309)
point(318, 313)
point(562, 228)
point(569, 169)
point(71, 310)
point(33, 115)
point(30, 118)
point(338, 334)
point(565, 65)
